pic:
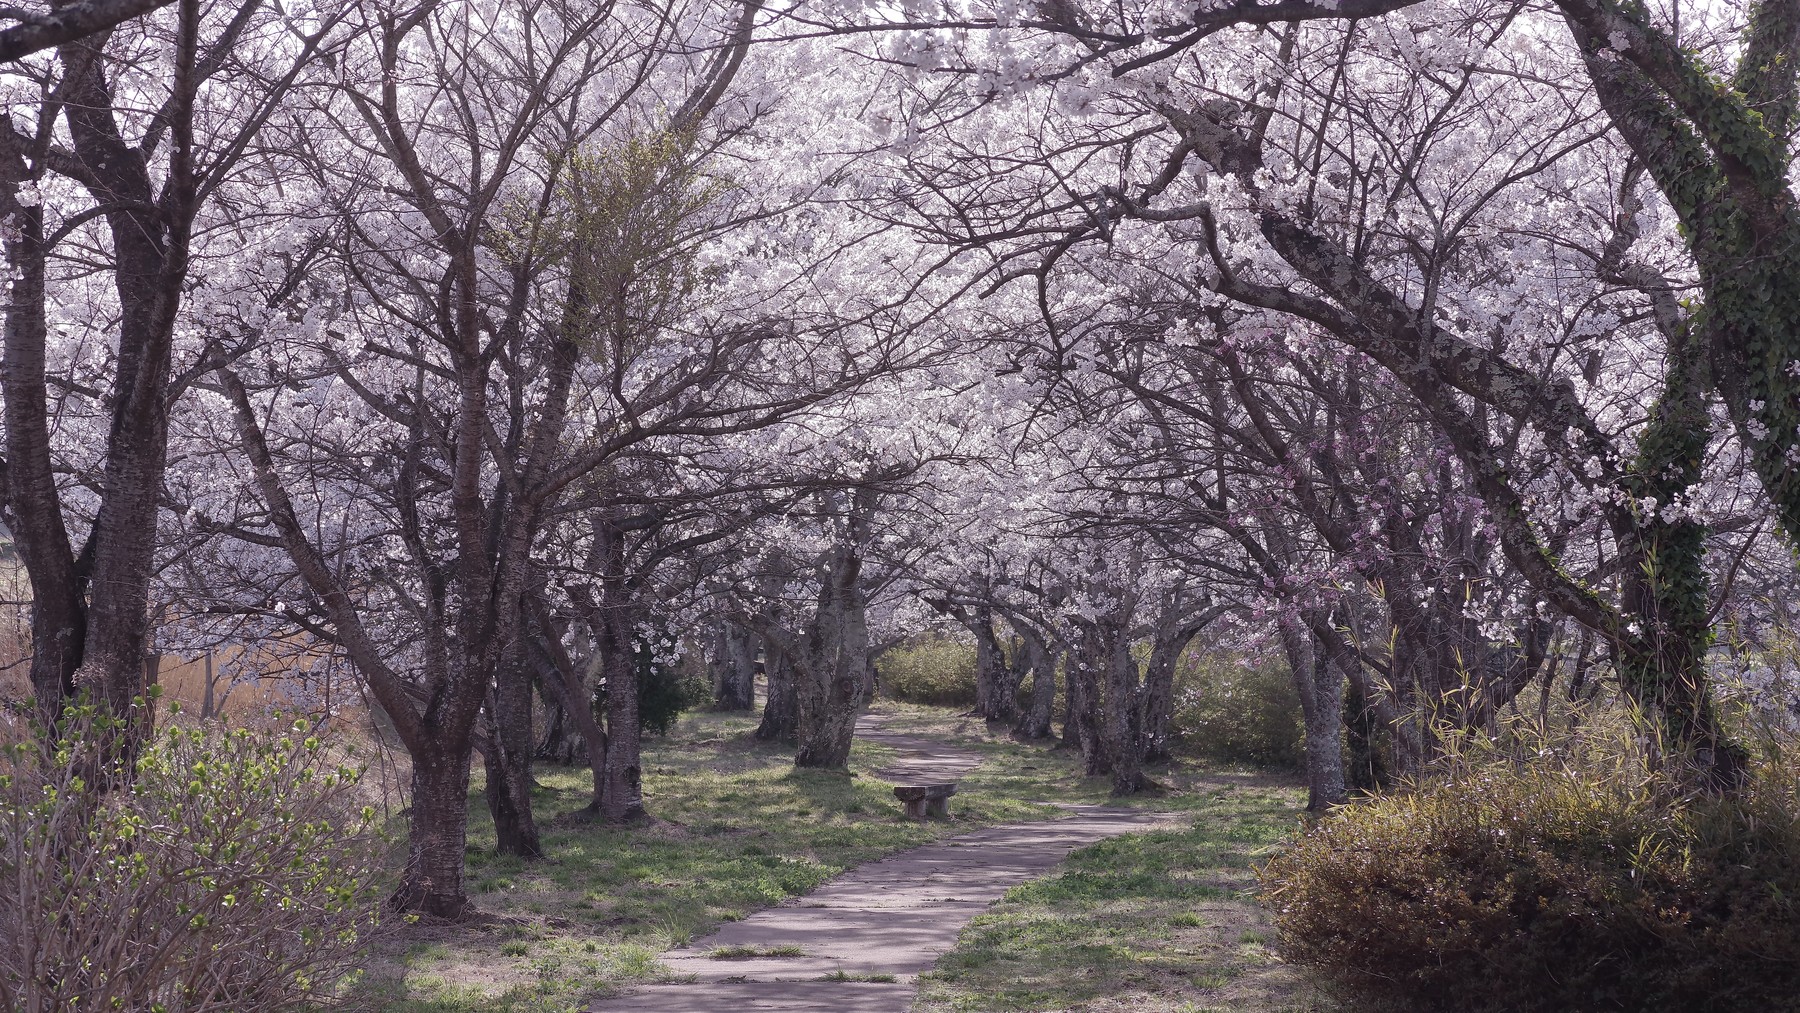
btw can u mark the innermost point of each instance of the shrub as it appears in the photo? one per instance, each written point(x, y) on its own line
point(933, 669)
point(1552, 887)
point(233, 871)
point(665, 691)
point(1232, 711)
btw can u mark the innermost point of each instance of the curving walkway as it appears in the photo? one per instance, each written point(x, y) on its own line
point(891, 918)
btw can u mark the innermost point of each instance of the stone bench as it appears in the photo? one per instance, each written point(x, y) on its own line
point(923, 800)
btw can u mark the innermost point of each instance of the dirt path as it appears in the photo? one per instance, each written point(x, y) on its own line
point(889, 919)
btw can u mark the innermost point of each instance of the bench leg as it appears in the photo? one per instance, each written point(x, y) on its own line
point(938, 807)
point(916, 809)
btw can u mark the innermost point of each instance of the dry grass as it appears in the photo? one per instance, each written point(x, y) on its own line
point(1159, 922)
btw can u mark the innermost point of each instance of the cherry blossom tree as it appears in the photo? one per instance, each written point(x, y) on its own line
point(124, 156)
point(1438, 190)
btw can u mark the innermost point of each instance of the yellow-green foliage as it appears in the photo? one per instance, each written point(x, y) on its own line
point(1563, 884)
point(624, 225)
point(931, 670)
point(1232, 712)
point(231, 871)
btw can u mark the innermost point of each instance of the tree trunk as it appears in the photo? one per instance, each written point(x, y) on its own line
point(1661, 657)
point(622, 786)
point(1072, 695)
point(829, 699)
point(832, 673)
point(561, 743)
point(1034, 719)
point(781, 708)
point(1369, 769)
point(507, 713)
point(1158, 697)
point(996, 691)
point(149, 239)
point(1085, 674)
point(1320, 686)
point(1121, 715)
point(614, 622)
point(570, 685)
point(34, 506)
point(734, 673)
point(433, 881)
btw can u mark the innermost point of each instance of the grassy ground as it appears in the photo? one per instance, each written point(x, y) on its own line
point(1161, 922)
point(737, 829)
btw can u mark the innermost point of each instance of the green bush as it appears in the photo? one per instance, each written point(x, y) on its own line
point(230, 871)
point(1571, 886)
point(666, 686)
point(1233, 712)
point(933, 669)
point(667, 689)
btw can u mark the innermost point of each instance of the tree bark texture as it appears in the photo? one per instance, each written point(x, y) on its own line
point(507, 760)
point(781, 705)
point(1040, 659)
point(831, 667)
point(433, 881)
point(996, 686)
point(1121, 713)
point(614, 621)
point(734, 669)
point(1320, 686)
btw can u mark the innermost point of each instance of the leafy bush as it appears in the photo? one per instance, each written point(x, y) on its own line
point(1571, 886)
point(931, 670)
point(665, 691)
point(1233, 711)
point(233, 871)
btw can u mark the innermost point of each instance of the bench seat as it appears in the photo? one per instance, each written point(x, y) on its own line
point(923, 800)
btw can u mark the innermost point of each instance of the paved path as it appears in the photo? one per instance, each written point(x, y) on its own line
point(921, 761)
point(893, 917)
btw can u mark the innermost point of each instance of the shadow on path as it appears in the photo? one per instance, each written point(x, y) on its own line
point(888, 919)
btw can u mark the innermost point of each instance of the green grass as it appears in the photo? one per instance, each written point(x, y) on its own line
point(752, 952)
point(737, 828)
point(1156, 922)
point(1036, 771)
point(884, 979)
